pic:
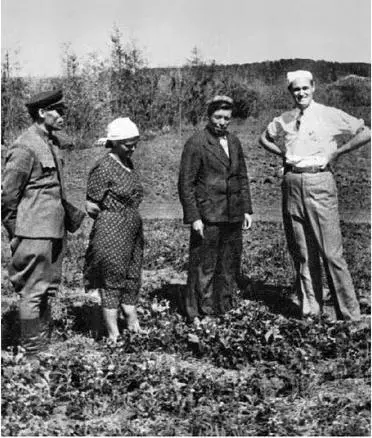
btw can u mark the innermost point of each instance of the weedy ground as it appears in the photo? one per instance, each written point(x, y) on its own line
point(258, 370)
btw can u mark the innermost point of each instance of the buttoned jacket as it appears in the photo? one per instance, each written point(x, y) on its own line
point(32, 189)
point(212, 186)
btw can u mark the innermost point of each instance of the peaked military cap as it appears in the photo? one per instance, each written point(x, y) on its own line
point(46, 99)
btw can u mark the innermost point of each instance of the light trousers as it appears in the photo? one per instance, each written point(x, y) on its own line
point(312, 227)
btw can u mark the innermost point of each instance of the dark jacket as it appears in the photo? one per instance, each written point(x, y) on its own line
point(211, 186)
point(33, 200)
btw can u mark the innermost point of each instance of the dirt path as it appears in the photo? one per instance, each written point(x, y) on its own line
point(174, 211)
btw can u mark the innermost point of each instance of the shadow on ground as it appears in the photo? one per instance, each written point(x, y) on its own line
point(174, 293)
point(83, 318)
point(86, 317)
point(276, 298)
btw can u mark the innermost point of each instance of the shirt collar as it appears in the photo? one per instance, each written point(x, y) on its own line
point(41, 132)
point(307, 109)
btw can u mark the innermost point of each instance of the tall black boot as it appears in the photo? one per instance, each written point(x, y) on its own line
point(45, 319)
point(30, 335)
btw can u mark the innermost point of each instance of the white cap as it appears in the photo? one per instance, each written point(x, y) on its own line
point(292, 75)
point(121, 129)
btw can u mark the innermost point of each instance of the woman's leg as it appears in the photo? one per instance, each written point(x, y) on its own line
point(131, 317)
point(132, 284)
point(110, 305)
point(110, 317)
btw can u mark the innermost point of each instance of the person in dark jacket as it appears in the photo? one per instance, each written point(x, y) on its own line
point(214, 191)
point(36, 215)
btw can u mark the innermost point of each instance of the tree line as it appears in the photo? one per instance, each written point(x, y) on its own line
point(160, 99)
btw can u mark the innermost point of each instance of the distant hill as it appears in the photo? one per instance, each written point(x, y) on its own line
point(272, 72)
point(352, 89)
point(162, 98)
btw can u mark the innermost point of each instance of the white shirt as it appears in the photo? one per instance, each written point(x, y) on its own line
point(315, 137)
point(225, 146)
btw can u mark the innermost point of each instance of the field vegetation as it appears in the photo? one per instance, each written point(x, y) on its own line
point(257, 371)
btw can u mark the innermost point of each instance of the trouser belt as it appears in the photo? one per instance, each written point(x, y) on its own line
point(307, 169)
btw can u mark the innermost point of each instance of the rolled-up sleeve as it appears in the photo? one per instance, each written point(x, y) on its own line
point(274, 129)
point(18, 167)
point(343, 123)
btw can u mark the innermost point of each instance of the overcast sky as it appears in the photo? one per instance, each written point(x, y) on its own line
point(227, 31)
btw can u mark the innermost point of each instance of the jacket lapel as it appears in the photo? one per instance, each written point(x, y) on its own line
point(233, 151)
point(214, 147)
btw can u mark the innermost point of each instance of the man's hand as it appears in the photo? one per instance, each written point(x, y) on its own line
point(247, 222)
point(362, 137)
point(198, 226)
point(92, 209)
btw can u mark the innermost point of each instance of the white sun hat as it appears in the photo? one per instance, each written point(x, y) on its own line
point(121, 129)
point(303, 74)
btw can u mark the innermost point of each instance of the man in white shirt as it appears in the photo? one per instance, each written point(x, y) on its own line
point(305, 137)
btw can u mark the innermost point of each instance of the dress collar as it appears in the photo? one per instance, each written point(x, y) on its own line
point(120, 162)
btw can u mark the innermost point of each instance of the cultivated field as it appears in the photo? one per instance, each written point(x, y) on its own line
point(256, 371)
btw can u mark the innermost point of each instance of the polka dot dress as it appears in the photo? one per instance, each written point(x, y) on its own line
point(115, 252)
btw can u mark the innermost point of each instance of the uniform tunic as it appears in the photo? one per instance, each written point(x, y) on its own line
point(32, 210)
point(115, 252)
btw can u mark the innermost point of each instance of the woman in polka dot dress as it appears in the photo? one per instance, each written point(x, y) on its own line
point(115, 252)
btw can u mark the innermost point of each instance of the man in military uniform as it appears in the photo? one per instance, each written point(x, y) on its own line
point(36, 215)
